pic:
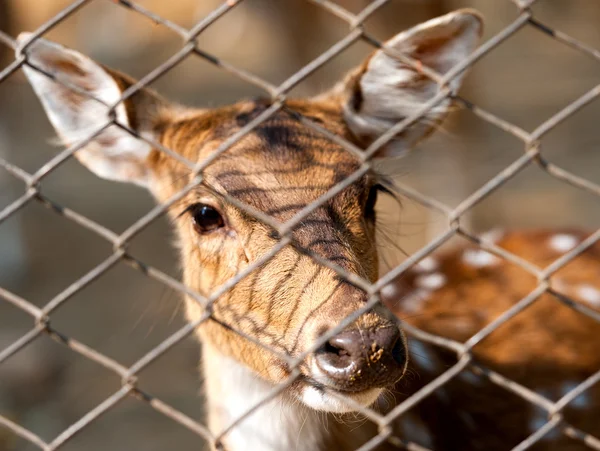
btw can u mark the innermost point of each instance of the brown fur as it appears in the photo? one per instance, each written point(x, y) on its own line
point(543, 347)
point(277, 169)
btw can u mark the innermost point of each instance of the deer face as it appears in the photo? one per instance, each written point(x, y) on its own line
point(287, 303)
point(278, 169)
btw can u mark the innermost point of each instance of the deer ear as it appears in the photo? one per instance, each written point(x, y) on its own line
point(384, 91)
point(115, 153)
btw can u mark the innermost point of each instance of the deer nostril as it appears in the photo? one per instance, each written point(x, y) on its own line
point(360, 359)
point(335, 357)
point(333, 348)
point(343, 344)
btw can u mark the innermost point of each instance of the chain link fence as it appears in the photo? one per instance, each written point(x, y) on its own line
point(532, 155)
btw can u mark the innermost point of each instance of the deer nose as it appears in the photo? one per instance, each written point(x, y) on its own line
point(358, 359)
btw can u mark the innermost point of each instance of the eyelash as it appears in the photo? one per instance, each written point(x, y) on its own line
point(373, 196)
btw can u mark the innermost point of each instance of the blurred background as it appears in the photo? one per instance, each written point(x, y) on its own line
point(124, 314)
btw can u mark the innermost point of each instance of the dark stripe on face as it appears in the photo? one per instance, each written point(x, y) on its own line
point(327, 236)
point(279, 135)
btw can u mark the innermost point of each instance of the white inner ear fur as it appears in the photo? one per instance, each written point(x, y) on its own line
point(391, 91)
point(113, 154)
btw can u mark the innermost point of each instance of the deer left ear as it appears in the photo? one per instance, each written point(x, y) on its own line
point(384, 91)
point(77, 114)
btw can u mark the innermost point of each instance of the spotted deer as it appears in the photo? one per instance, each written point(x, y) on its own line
point(290, 300)
point(549, 347)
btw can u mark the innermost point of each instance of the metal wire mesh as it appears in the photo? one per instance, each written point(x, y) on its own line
point(532, 155)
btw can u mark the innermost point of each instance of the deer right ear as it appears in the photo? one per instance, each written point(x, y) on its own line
point(384, 91)
point(113, 154)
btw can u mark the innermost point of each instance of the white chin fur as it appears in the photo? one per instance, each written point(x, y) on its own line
point(320, 400)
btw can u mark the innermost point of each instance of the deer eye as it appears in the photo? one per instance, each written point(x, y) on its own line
point(206, 218)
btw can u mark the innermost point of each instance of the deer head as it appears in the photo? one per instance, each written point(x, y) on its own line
point(277, 169)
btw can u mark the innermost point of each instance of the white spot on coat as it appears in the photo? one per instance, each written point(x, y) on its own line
point(414, 300)
point(390, 292)
point(589, 294)
point(431, 282)
point(563, 242)
point(493, 236)
point(479, 258)
point(428, 264)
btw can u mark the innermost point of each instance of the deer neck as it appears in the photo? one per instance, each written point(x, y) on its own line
point(278, 425)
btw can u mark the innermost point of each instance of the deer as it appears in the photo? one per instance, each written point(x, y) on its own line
point(285, 303)
point(549, 347)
